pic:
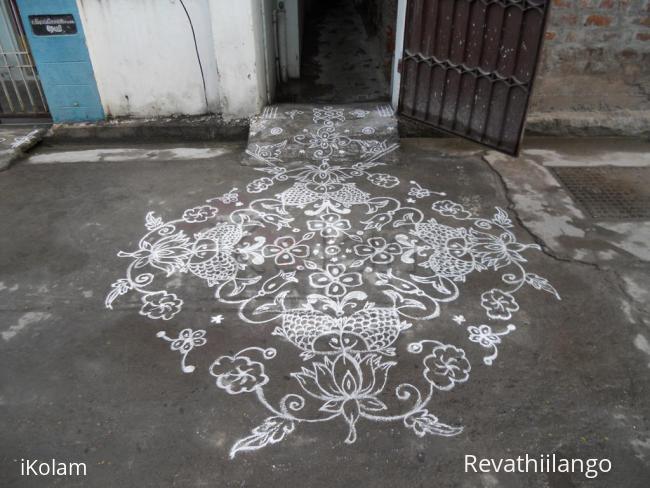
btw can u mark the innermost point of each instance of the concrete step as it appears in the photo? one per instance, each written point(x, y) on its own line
point(334, 134)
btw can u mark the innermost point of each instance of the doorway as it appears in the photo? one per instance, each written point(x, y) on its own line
point(346, 52)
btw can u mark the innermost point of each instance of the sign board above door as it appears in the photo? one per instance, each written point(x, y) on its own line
point(53, 25)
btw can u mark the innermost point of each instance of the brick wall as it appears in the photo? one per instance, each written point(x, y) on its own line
point(596, 57)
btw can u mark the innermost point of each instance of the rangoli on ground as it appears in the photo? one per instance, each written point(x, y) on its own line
point(326, 225)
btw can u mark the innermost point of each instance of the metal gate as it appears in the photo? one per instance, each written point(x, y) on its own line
point(20, 89)
point(468, 66)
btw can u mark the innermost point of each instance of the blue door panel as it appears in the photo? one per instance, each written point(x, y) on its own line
point(69, 74)
point(74, 114)
point(63, 64)
point(68, 48)
point(74, 96)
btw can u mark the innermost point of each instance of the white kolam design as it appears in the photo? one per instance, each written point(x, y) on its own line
point(317, 229)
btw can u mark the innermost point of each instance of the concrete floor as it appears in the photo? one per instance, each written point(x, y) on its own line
point(83, 383)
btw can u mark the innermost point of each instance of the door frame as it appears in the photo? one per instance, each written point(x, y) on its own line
point(396, 78)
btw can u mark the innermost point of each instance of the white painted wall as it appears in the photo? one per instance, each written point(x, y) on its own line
point(145, 61)
point(239, 45)
point(144, 56)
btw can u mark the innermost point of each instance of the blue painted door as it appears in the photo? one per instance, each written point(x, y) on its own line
point(58, 45)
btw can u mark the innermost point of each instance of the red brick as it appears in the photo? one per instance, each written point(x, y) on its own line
point(568, 19)
point(629, 53)
point(549, 36)
point(642, 36)
point(598, 20)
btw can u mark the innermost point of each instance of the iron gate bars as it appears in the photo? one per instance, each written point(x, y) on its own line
point(468, 66)
point(20, 89)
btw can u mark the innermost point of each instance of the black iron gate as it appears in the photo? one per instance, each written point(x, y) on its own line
point(468, 66)
point(20, 88)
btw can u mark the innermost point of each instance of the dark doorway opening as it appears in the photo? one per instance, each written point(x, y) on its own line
point(347, 52)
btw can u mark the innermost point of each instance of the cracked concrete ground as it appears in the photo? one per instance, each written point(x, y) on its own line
point(81, 383)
